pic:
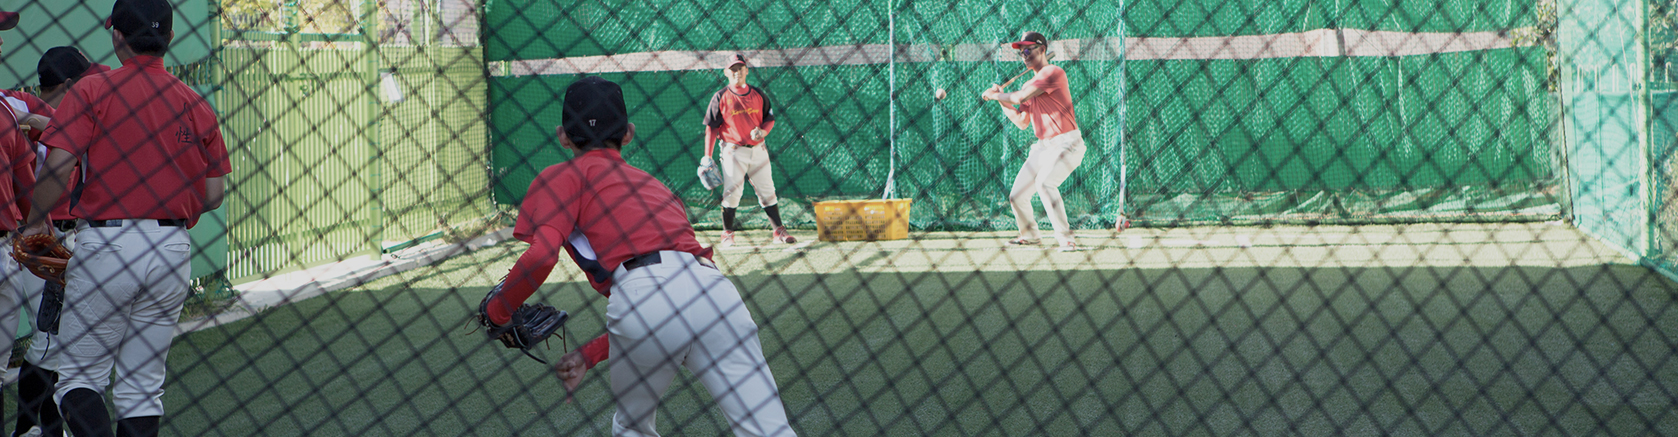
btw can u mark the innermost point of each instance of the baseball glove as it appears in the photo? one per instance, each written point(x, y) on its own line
point(43, 256)
point(709, 176)
point(531, 324)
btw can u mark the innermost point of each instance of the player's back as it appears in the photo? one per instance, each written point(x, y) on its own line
point(621, 209)
point(149, 142)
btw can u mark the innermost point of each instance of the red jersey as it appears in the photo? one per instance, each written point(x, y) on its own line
point(1051, 112)
point(737, 111)
point(31, 103)
point(40, 107)
point(17, 159)
point(146, 141)
point(606, 212)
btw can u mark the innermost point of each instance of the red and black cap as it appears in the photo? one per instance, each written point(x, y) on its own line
point(1030, 38)
point(60, 64)
point(737, 59)
point(142, 17)
point(8, 20)
point(594, 111)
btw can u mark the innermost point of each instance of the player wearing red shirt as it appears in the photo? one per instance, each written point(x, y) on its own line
point(154, 160)
point(740, 115)
point(16, 161)
point(59, 68)
point(1043, 104)
point(667, 305)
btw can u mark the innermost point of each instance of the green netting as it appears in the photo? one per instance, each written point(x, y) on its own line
point(1347, 137)
point(1458, 134)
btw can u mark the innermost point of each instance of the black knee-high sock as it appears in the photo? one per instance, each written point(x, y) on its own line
point(774, 212)
point(728, 219)
point(144, 426)
point(85, 414)
point(36, 406)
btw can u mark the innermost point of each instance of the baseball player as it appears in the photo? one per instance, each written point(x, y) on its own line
point(59, 69)
point(16, 161)
point(1043, 104)
point(153, 160)
point(740, 115)
point(667, 305)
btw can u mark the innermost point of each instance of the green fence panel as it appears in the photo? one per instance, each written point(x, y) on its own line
point(1603, 71)
point(330, 167)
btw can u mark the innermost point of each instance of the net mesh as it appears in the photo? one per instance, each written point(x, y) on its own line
point(1295, 217)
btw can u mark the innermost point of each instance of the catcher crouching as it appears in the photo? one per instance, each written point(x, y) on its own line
point(667, 305)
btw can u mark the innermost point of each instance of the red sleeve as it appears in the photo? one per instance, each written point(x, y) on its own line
point(768, 126)
point(1050, 78)
point(23, 177)
point(527, 275)
point(37, 107)
point(596, 350)
point(551, 201)
point(215, 151)
point(73, 129)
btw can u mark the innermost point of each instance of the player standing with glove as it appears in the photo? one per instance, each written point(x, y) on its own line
point(16, 166)
point(59, 68)
point(740, 115)
point(668, 306)
point(153, 160)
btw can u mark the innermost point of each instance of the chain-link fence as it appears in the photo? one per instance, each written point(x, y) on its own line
point(1434, 217)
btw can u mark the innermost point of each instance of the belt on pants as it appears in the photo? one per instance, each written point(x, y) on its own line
point(172, 223)
point(748, 146)
point(64, 225)
point(653, 258)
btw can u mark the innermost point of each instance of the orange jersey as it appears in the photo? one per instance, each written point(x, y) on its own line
point(734, 113)
point(1051, 112)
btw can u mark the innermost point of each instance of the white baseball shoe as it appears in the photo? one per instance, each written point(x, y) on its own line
point(727, 239)
point(1068, 246)
point(781, 236)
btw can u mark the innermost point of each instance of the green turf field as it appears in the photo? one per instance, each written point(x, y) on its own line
point(1462, 329)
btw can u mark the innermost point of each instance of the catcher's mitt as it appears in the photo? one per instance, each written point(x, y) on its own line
point(709, 176)
point(43, 256)
point(531, 324)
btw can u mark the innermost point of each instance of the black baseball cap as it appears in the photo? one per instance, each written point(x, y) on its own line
point(60, 64)
point(594, 111)
point(8, 20)
point(137, 17)
point(1030, 38)
point(737, 59)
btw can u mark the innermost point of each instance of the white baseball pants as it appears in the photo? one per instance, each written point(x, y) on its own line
point(13, 298)
point(123, 296)
point(681, 313)
point(1046, 167)
point(740, 164)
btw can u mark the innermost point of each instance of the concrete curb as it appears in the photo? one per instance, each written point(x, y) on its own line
point(254, 297)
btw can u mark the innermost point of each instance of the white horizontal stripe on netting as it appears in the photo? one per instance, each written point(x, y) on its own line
point(1315, 43)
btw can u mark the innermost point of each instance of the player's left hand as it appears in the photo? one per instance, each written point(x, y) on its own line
point(992, 92)
point(758, 134)
point(570, 369)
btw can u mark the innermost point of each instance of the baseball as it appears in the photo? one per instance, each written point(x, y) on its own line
point(939, 94)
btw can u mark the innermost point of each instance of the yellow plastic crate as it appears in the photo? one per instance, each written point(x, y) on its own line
point(862, 220)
